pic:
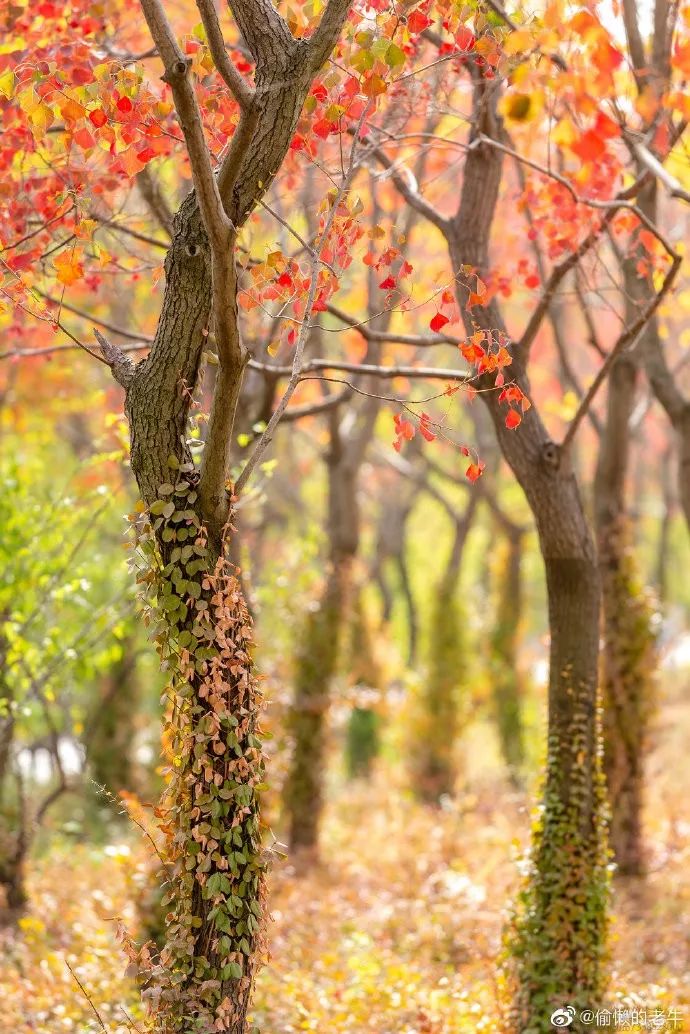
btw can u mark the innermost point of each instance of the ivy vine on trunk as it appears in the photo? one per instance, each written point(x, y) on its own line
point(202, 979)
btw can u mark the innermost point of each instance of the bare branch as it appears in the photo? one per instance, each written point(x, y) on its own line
point(295, 371)
point(406, 186)
point(30, 353)
point(149, 188)
point(120, 364)
point(119, 228)
point(383, 336)
point(369, 369)
point(327, 32)
point(557, 275)
point(112, 327)
point(331, 401)
point(653, 165)
point(87, 997)
point(627, 337)
point(177, 65)
point(239, 88)
point(634, 38)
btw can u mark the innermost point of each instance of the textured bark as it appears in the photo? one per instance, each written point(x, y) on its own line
point(570, 966)
point(199, 272)
point(547, 479)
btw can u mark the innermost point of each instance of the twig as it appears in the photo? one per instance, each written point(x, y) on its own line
point(628, 336)
point(87, 997)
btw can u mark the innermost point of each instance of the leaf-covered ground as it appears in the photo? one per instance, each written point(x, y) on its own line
point(396, 932)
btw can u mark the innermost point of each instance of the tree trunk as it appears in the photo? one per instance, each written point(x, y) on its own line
point(628, 659)
point(364, 677)
point(13, 844)
point(504, 665)
point(318, 658)
point(308, 719)
point(663, 551)
point(390, 550)
point(111, 731)
point(441, 707)
point(559, 931)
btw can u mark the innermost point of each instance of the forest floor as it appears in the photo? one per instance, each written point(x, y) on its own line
point(397, 931)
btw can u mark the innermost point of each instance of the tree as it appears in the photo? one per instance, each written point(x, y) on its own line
point(504, 664)
point(558, 955)
point(58, 617)
point(203, 976)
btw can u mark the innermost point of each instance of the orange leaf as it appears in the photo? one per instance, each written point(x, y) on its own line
point(69, 267)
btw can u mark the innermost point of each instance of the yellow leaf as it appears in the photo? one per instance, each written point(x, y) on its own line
point(517, 42)
point(69, 267)
point(7, 83)
point(85, 228)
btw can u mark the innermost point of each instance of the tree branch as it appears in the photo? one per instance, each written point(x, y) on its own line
point(384, 336)
point(149, 188)
point(653, 165)
point(263, 28)
point(634, 38)
point(326, 35)
point(177, 65)
point(557, 275)
point(407, 187)
point(121, 365)
point(628, 336)
point(367, 370)
point(235, 82)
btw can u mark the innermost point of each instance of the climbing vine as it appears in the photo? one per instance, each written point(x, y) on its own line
point(441, 711)
point(628, 668)
point(555, 942)
point(209, 816)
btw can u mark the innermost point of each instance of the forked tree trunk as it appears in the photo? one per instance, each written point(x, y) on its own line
point(557, 948)
point(203, 979)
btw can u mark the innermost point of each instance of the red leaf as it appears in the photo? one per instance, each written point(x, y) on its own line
point(418, 22)
point(438, 322)
point(589, 147)
point(388, 284)
point(84, 138)
point(465, 38)
point(98, 118)
point(124, 104)
point(513, 419)
point(424, 428)
point(474, 471)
